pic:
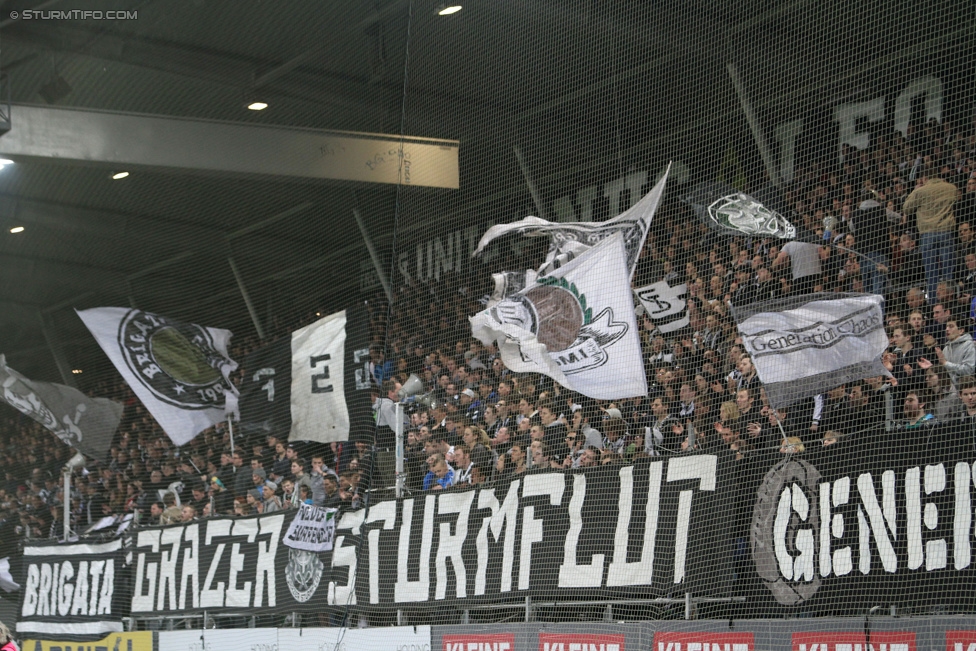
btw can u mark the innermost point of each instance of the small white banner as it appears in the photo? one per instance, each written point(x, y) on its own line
point(312, 530)
point(665, 305)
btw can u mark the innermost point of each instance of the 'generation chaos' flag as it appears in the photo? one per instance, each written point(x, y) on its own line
point(86, 424)
point(803, 346)
point(178, 370)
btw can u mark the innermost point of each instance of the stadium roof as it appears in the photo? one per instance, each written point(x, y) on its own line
point(580, 87)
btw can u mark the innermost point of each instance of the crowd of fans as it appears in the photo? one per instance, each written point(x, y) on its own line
point(888, 220)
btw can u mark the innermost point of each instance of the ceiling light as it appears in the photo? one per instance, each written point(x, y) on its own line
point(76, 371)
point(17, 229)
point(120, 175)
point(448, 10)
point(257, 106)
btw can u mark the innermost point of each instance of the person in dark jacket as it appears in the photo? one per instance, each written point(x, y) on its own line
point(871, 224)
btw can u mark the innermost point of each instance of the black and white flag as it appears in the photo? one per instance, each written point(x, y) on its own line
point(570, 240)
point(312, 385)
point(802, 346)
point(69, 589)
point(86, 424)
point(573, 318)
point(318, 402)
point(178, 370)
point(730, 212)
point(576, 325)
point(665, 305)
point(265, 401)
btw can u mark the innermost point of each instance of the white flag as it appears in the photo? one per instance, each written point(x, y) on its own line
point(178, 370)
point(318, 401)
point(570, 240)
point(7, 582)
point(576, 325)
point(802, 346)
point(665, 305)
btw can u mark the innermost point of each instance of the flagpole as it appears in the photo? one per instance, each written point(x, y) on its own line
point(779, 423)
point(398, 429)
point(67, 504)
point(230, 425)
point(76, 461)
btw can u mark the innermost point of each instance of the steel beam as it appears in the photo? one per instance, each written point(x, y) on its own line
point(374, 256)
point(129, 139)
point(754, 126)
point(247, 297)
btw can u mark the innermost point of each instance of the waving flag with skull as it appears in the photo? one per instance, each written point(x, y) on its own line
point(731, 212)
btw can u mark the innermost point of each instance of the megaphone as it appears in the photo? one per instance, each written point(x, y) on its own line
point(76, 461)
point(413, 386)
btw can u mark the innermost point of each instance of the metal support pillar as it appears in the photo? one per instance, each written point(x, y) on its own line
point(373, 255)
point(247, 297)
point(533, 188)
point(398, 428)
point(754, 126)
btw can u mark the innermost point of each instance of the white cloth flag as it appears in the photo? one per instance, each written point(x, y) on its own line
point(802, 346)
point(569, 240)
point(576, 325)
point(7, 582)
point(318, 401)
point(665, 305)
point(178, 370)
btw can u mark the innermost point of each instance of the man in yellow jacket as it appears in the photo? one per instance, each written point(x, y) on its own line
point(932, 203)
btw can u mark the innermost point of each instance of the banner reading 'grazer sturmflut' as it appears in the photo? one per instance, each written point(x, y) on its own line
point(225, 564)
